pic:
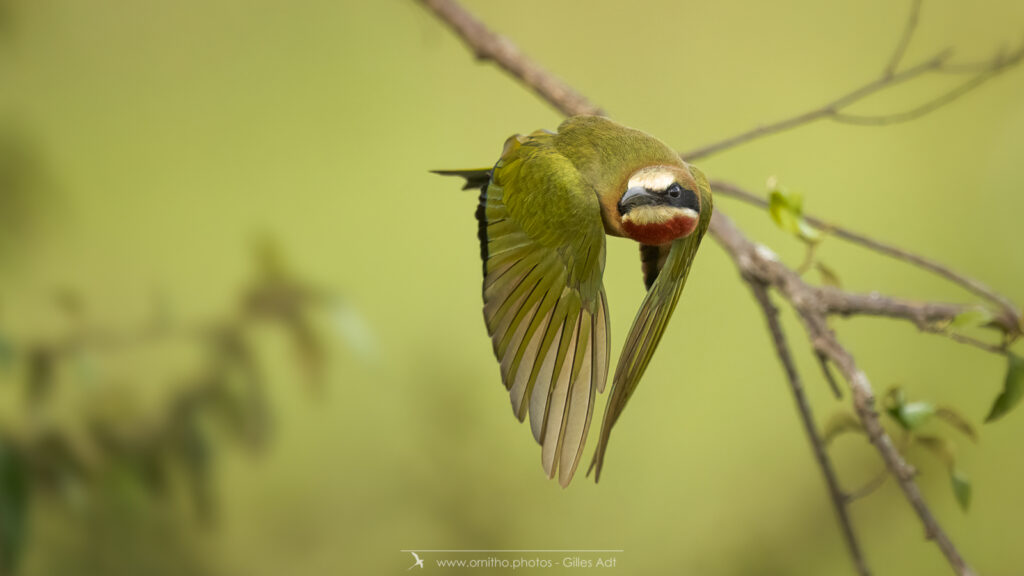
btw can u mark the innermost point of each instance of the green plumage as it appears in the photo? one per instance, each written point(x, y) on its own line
point(650, 321)
point(543, 301)
point(605, 153)
point(544, 213)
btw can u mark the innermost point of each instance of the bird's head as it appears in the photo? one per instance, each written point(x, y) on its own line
point(659, 205)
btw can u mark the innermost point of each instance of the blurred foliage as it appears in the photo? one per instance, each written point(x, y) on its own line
point(24, 186)
point(787, 210)
point(13, 508)
point(912, 417)
point(224, 397)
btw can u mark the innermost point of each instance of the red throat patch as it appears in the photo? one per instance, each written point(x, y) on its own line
point(656, 234)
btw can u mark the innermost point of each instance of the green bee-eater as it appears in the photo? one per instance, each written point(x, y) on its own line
point(544, 211)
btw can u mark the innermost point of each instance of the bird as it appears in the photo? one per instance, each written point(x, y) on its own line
point(544, 211)
point(419, 561)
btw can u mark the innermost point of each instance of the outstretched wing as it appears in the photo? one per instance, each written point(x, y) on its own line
point(665, 276)
point(542, 241)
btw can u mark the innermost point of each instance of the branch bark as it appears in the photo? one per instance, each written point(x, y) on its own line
point(488, 46)
point(839, 500)
point(760, 265)
point(1009, 319)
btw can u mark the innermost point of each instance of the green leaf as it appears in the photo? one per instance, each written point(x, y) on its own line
point(956, 420)
point(13, 509)
point(807, 232)
point(909, 415)
point(893, 402)
point(972, 317)
point(1013, 389)
point(961, 488)
point(840, 423)
point(785, 211)
point(913, 415)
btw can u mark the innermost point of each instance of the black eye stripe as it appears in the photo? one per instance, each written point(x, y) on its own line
point(674, 195)
point(689, 200)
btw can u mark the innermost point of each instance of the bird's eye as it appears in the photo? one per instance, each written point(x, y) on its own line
point(675, 191)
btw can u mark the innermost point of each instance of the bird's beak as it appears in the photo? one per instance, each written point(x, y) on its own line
point(634, 192)
point(635, 196)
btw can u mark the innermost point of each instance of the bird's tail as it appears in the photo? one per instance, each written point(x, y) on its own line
point(477, 178)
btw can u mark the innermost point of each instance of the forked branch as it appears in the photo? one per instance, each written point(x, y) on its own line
point(840, 501)
point(836, 110)
point(762, 271)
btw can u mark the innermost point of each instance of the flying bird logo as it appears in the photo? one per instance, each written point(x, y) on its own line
point(419, 561)
point(544, 212)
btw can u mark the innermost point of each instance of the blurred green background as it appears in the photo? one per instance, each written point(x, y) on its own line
point(148, 145)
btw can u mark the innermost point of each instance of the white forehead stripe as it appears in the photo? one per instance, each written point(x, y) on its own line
point(652, 180)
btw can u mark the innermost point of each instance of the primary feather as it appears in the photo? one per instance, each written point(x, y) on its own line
point(543, 300)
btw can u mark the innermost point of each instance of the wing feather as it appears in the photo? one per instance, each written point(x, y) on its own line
point(602, 345)
point(540, 382)
point(544, 306)
point(528, 357)
point(578, 412)
point(542, 243)
point(558, 404)
point(524, 364)
point(666, 286)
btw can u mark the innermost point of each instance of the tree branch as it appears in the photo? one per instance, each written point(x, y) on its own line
point(1010, 317)
point(914, 113)
point(827, 373)
point(839, 500)
point(758, 264)
point(835, 110)
point(487, 45)
point(761, 269)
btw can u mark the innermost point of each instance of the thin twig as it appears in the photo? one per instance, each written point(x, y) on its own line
point(1010, 317)
point(827, 110)
point(908, 33)
point(924, 314)
point(999, 349)
point(827, 372)
point(839, 500)
point(758, 264)
point(487, 45)
point(927, 107)
point(834, 110)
